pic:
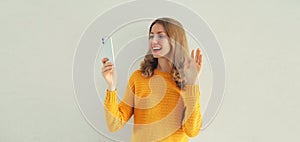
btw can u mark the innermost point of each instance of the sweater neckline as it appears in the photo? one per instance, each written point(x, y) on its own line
point(162, 73)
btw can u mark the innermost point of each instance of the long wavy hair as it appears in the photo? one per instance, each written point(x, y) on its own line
point(178, 53)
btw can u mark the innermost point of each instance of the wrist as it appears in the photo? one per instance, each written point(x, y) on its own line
point(111, 88)
point(192, 82)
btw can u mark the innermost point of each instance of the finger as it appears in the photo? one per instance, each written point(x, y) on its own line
point(200, 59)
point(104, 60)
point(197, 55)
point(192, 54)
point(108, 63)
point(107, 69)
point(106, 66)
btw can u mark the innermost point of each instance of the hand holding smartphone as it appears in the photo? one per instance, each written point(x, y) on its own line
point(108, 50)
point(107, 72)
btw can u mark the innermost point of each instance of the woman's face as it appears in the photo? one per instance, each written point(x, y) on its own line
point(158, 41)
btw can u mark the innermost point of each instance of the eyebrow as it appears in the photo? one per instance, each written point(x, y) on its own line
point(158, 32)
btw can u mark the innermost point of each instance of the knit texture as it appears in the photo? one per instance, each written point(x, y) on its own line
point(162, 111)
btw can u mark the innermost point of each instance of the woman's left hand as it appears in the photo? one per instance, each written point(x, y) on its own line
point(194, 67)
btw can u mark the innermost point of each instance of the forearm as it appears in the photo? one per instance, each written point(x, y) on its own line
point(192, 120)
point(116, 114)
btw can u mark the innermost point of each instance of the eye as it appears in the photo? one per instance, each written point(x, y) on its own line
point(151, 36)
point(161, 36)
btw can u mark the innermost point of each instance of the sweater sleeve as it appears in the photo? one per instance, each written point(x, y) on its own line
point(118, 114)
point(192, 120)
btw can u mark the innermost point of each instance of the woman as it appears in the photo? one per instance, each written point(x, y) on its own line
point(162, 95)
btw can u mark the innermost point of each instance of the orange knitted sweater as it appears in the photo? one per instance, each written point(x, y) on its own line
point(162, 112)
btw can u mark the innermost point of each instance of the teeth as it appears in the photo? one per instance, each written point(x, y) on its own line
point(156, 48)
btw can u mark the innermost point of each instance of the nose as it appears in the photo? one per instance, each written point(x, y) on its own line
point(154, 40)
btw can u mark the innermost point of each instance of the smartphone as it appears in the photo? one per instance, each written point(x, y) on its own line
point(108, 49)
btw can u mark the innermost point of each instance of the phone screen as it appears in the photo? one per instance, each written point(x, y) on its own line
point(108, 50)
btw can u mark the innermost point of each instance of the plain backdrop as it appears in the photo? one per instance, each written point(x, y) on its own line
point(260, 43)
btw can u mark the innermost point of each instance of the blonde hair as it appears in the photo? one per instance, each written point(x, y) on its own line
point(179, 51)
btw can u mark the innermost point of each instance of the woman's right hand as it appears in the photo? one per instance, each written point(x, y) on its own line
point(108, 74)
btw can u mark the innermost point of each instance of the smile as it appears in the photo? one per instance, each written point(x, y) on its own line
point(156, 48)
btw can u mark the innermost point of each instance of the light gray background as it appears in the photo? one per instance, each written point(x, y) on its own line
point(260, 42)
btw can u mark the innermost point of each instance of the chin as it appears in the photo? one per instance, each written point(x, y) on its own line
point(156, 55)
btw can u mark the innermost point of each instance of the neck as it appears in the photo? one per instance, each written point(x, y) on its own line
point(164, 65)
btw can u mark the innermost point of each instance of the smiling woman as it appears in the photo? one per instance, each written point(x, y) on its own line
point(162, 95)
point(170, 49)
point(157, 40)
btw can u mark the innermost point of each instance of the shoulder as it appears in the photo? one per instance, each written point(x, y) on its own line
point(136, 75)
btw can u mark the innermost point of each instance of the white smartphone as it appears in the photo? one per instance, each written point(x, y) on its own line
point(108, 49)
